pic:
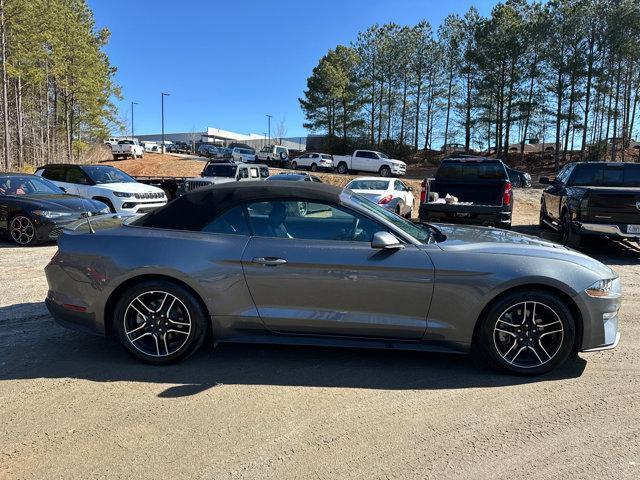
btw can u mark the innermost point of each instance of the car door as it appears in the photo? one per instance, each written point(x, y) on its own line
point(361, 161)
point(313, 271)
point(552, 195)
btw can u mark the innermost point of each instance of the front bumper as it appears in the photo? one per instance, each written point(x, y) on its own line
point(134, 206)
point(604, 230)
point(398, 170)
point(599, 320)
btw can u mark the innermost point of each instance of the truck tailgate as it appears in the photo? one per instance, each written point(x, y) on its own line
point(613, 204)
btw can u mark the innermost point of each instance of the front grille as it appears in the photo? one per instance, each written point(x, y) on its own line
point(193, 184)
point(149, 195)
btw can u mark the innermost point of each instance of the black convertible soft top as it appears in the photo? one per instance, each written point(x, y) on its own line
point(196, 209)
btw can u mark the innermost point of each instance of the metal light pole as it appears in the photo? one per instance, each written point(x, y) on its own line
point(269, 129)
point(162, 95)
point(132, 130)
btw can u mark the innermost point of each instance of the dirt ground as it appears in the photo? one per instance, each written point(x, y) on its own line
point(78, 406)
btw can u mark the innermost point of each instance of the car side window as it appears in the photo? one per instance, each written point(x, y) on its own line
point(254, 173)
point(77, 176)
point(310, 221)
point(264, 172)
point(243, 173)
point(398, 186)
point(56, 174)
point(231, 222)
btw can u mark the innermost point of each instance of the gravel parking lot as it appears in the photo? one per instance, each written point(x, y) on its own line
point(77, 406)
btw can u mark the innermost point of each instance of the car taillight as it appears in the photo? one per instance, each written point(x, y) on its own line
point(385, 200)
point(507, 195)
point(423, 191)
point(584, 206)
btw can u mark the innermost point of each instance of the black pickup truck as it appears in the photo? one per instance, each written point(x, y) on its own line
point(594, 198)
point(481, 186)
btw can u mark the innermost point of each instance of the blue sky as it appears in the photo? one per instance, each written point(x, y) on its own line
point(228, 64)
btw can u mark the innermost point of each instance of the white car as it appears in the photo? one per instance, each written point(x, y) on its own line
point(369, 161)
point(107, 184)
point(243, 155)
point(313, 161)
point(273, 155)
point(390, 193)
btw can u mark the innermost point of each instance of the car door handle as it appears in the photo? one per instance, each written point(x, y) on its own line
point(269, 261)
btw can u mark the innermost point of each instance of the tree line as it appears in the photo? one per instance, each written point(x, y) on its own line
point(57, 81)
point(565, 72)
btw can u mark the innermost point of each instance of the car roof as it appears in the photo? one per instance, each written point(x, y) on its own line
point(184, 213)
point(602, 162)
point(374, 178)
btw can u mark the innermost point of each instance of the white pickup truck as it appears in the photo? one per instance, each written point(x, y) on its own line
point(369, 161)
point(127, 149)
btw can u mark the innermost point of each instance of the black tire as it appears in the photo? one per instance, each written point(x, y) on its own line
point(399, 210)
point(294, 165)
point(116, 157)
point(550, 312)
point(22, 230)
point(185, 340)
point(342, 168)
point(569, 237)
point(314, 167)
point(385, 171)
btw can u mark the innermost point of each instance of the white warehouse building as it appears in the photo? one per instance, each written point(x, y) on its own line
point(225, 137)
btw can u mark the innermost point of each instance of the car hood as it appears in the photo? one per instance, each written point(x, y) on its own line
point(60, 203)
point(495, 241)
point(130, 187)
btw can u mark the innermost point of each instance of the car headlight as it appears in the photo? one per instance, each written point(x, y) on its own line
point(123, 194)
point(602, 289)
point(50, 214)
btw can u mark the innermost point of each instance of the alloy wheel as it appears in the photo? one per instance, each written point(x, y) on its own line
point(528, 334)
point(22, 230)
point(157, 323)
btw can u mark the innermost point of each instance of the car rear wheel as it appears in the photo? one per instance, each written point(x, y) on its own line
point(160, 322)
point(385, 171)
point(569, 237)
point(342, 168)
point(527, 333)
point(22, 231)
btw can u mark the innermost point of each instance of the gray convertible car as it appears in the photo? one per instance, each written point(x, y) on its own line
point(245, 263)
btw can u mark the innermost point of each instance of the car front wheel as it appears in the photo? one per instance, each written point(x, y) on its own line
point(527, 333)
point(22, 231)
point(160, 322)
point(385, 171)
point(569, 237)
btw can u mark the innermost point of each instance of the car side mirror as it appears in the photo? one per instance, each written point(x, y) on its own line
point(545, 181)
point(385, 241)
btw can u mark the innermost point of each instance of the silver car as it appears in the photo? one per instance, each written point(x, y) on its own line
point(239, 263)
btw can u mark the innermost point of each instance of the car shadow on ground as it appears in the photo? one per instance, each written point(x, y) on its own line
point(36, 347)
point(610, 252)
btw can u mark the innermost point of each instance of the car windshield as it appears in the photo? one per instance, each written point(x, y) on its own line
point(422, 233)
point(368, 185)
point(27, 185)
point(228, 171)
point(603, 175)
point(382, 155)
point(101, 174)
point(471, 170)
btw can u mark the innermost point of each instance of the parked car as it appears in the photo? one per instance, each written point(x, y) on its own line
point(216, 173)
point(392, 194)
point(273, 155)
point(295, 177)
point(236, 261)
point(111, 141)
point(127, 149)
point(474, 191)
point(107, 184)
point(150, 146)
point(518, 178)
point(313, 161)
point(202, 149)
point(369, 161)
point(243, 155)
point(593, 199)
point(34, 210)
